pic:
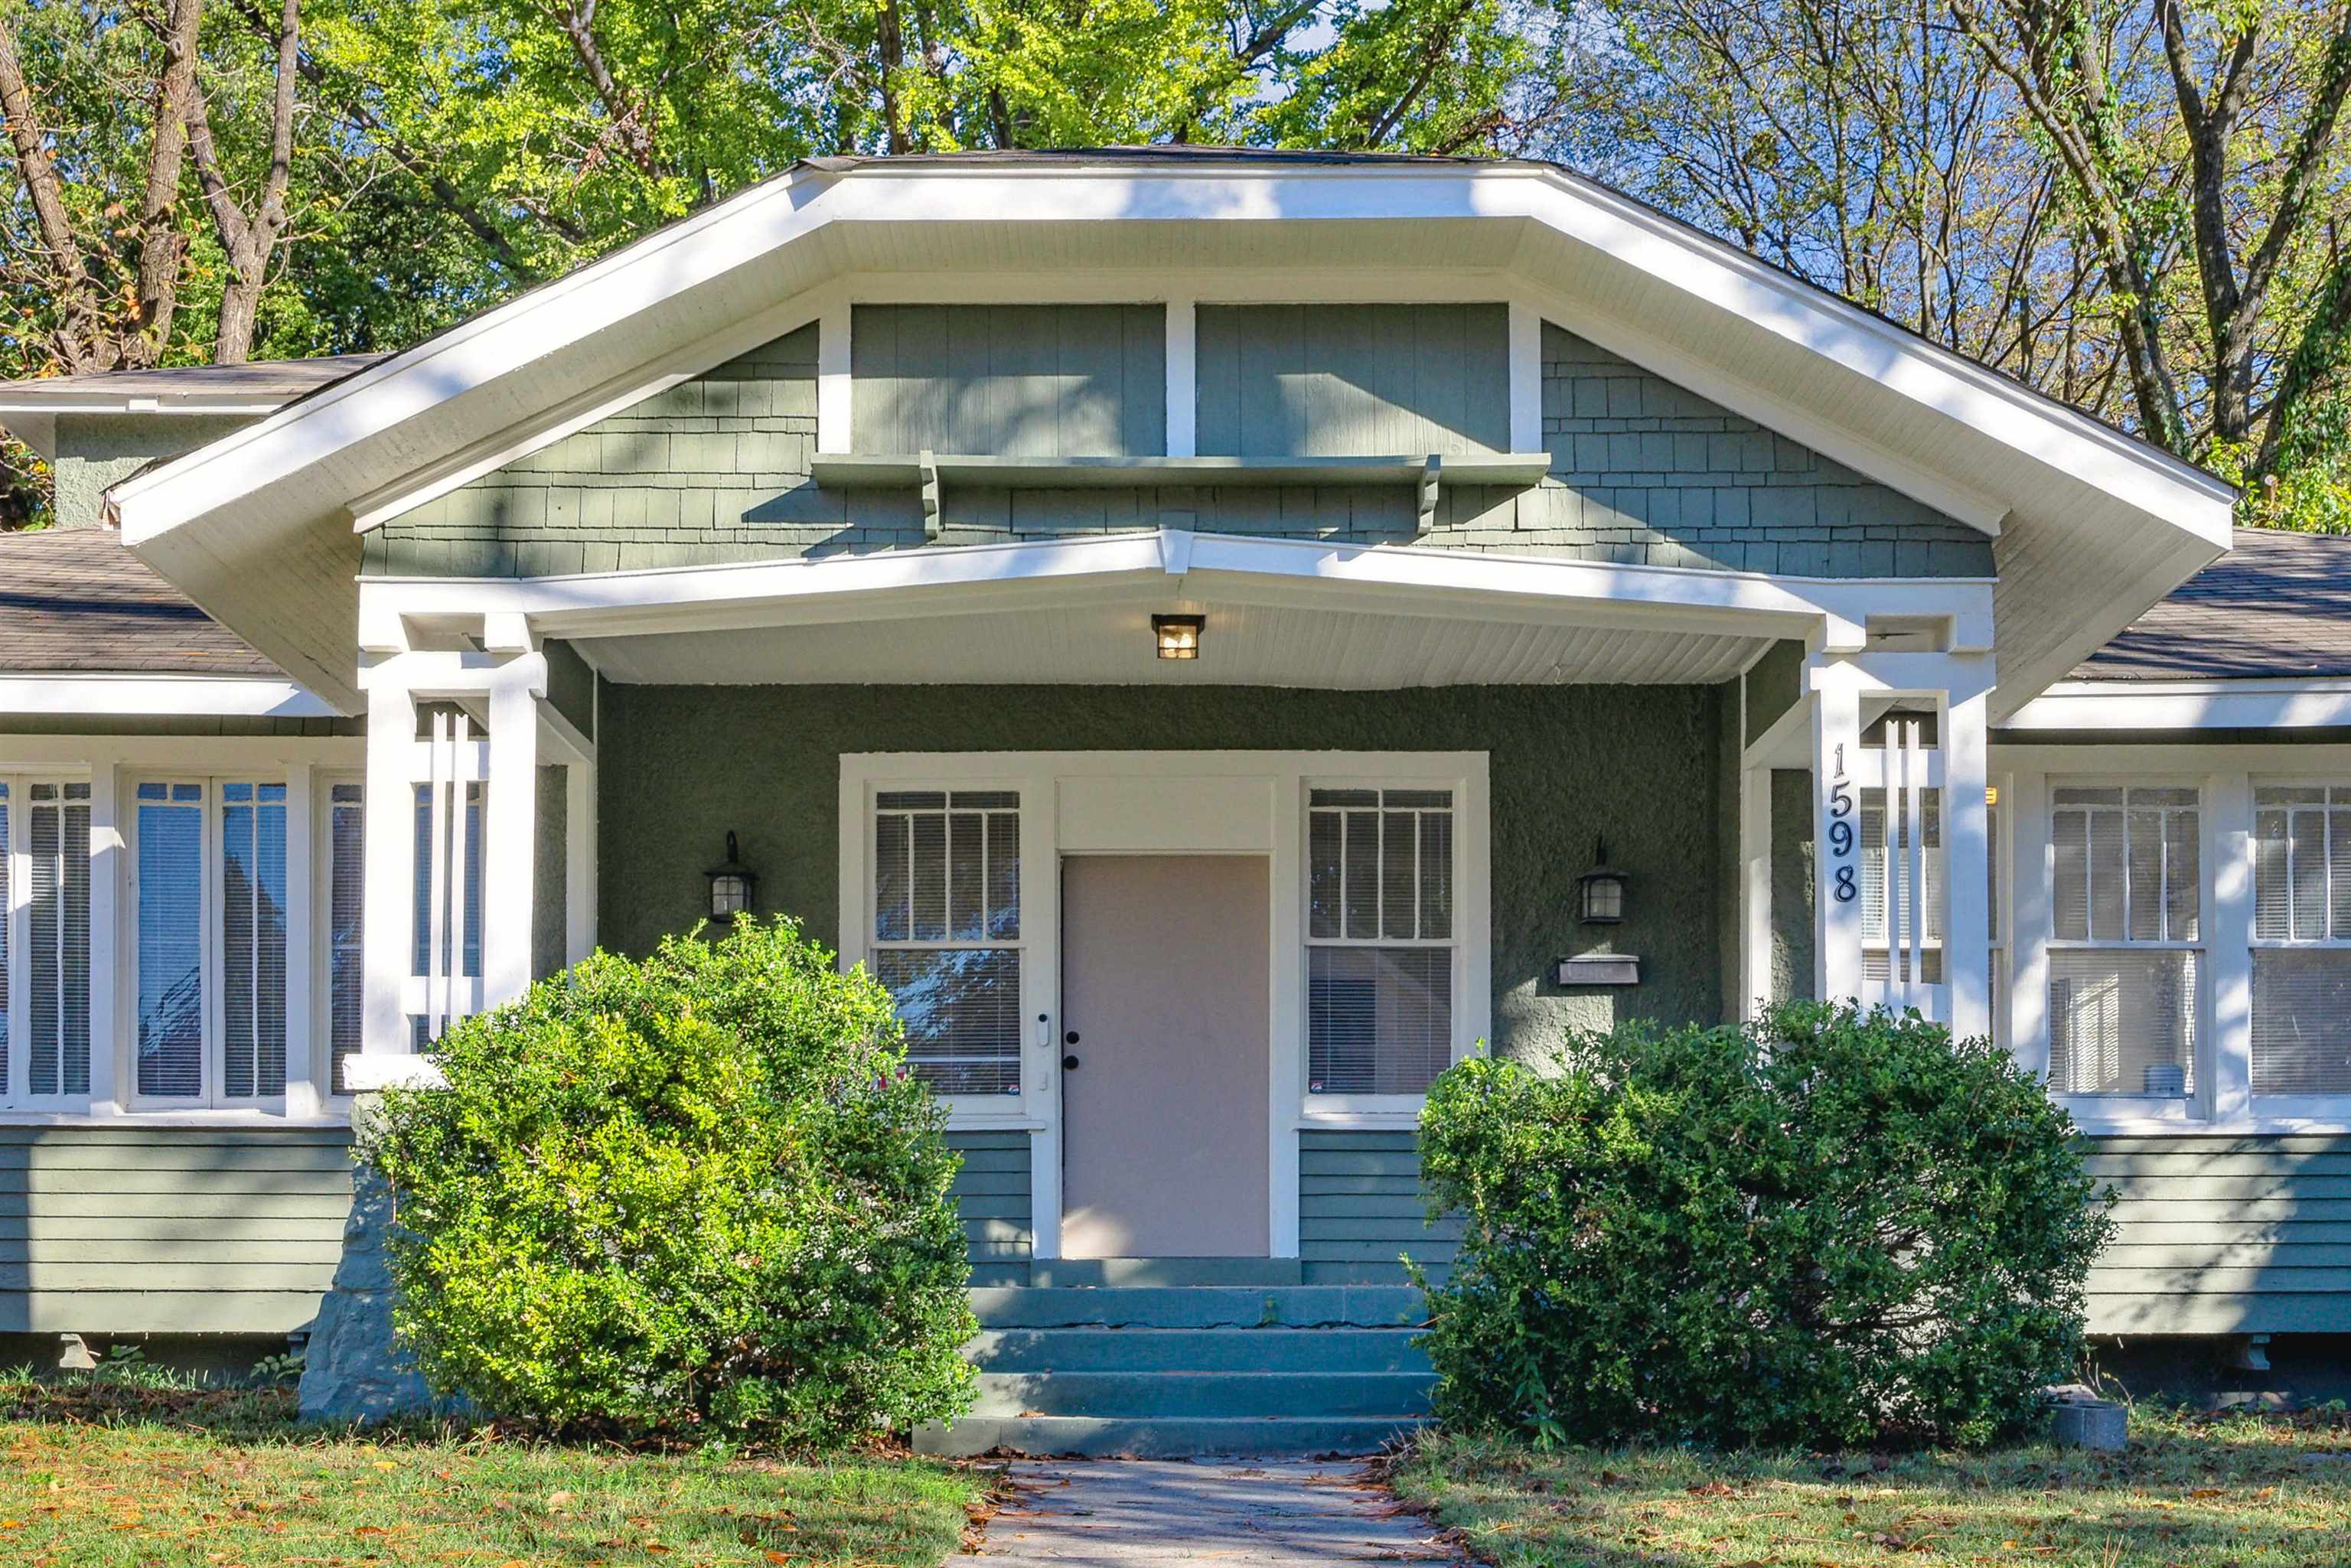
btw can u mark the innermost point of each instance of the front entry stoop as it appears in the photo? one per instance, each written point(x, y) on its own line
point(1175, 1358)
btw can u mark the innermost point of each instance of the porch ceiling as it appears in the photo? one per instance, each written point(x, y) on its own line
point(1108, 641)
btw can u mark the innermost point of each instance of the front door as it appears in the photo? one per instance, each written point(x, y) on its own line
point(1164, 985)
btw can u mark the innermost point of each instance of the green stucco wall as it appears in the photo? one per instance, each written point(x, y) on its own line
point(1791, 885)
point(680, 765)
point(1642, 471)
point(96, 450)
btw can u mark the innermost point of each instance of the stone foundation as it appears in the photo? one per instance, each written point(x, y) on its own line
point(355, 1371)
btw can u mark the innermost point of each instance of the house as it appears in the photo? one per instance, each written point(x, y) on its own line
point(1186, 620)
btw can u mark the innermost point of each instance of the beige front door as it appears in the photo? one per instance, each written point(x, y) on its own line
point(1163, 1090)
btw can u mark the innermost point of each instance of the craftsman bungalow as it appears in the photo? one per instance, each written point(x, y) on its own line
point(1192, 624)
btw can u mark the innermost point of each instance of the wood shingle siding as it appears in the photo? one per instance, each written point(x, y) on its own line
point(1359, 1209)
point(169, 1229)
point(992, 1191)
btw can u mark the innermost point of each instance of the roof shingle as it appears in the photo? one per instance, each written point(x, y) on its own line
point(2277, 605)
point(74, 599)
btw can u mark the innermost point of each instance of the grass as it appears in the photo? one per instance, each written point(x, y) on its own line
point(113, 1471)
point(2227, 1492)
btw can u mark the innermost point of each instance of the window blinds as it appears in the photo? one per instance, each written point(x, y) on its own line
point(253, 939)
point(170, 897)
point(1379, 926)
point(346, 904)
point(57, 843)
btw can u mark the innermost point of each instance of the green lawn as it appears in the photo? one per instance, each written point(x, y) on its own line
point(2240, 1492)
point(109, 1471)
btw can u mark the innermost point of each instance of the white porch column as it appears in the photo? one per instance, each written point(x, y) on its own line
point(387, 923)
point(1966, 858)
point(2229, 851)
point(1836, 842)
point(510, 829)
point(1754, 889)
point(305, 1051)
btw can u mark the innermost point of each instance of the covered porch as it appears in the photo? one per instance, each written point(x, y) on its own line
point(1182, 940)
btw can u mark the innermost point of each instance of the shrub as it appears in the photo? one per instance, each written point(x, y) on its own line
point(1827, 1229)
point(700, 1192)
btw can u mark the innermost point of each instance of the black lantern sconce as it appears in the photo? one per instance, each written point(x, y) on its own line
point(1599, 892)
point(1177, 636)
point(731, 885)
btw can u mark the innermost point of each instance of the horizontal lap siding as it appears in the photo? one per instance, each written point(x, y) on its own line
point(992, 1192)
point(1361, 1211)
point(2224, 1236)
point(168, 1230)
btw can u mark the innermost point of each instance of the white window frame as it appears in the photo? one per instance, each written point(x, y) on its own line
point(300, 1038)
point(2196, 1105)
point(1314, 1107)
point(16, 911)
point(2329, 1107)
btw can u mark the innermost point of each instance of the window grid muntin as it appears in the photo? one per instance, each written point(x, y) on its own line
point(902, 822)
point(2179, 878)
point(1331, 930)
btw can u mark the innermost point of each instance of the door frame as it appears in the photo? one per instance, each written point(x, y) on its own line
point(1177, 803)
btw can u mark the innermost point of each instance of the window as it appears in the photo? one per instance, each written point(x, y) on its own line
point(346, 906)
point(946, 932)
point(1379, 929)
point(211, 867)
point(2124, 966)
point(55, 828)
point(2301, 940)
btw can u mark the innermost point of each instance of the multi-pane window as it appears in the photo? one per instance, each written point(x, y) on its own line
point(2301, 940)
point(346, 907)
point(211, 868)
point(946, 932)
point(1380, 937)
point(56, 934)
point(2125, 964)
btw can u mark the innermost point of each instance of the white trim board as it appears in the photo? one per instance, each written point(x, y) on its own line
point(2186, 706)
point(123, 695)
point(1210, 802)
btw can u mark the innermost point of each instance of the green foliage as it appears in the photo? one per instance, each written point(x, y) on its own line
point(1827, 1229)
point(695, 1194)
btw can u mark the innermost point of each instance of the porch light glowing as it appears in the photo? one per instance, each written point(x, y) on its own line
point(1600, 890)
point(730, 884)
point(1179, 635)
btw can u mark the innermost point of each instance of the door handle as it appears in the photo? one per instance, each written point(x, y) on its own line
point(1069, 1064)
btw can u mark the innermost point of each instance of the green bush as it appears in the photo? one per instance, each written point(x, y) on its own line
point(1829, 1228)
point(696, 1194)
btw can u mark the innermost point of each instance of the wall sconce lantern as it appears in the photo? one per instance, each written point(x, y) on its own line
point(730, 884)
point(1600, 890)
point(1178, 636)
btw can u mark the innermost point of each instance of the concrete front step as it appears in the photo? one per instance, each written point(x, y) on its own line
point(1196, 1350)
point(1168, 1438)
point(1199, 1306)
point(1124, 1273)
point(1203, 1396)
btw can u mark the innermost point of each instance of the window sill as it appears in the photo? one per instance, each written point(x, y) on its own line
point(2236, 1127)
point(975, 1121)
point(1366, 1120)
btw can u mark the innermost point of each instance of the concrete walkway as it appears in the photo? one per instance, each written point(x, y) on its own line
point(1141, 1513)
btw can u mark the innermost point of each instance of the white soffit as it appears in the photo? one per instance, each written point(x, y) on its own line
point(270, 498)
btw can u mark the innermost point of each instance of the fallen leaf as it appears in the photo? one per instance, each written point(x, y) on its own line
point(776, 1557)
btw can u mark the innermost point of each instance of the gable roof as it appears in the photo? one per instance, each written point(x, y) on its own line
point(74, 599)
point(2278, 605)
point(29, 409)
point(2096, 525)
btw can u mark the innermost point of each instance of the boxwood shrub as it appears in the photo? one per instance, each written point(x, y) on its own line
point(697, 1194)
point(1831, 1227)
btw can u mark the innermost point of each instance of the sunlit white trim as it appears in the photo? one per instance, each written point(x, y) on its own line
point(2144, 705)
point(111, 695)
point(366, 1072)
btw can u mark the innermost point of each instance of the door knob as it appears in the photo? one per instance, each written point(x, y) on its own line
point(1070, 1038)
point(1068, 1063)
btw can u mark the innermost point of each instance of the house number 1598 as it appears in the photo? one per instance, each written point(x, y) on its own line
point(1841, 880)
